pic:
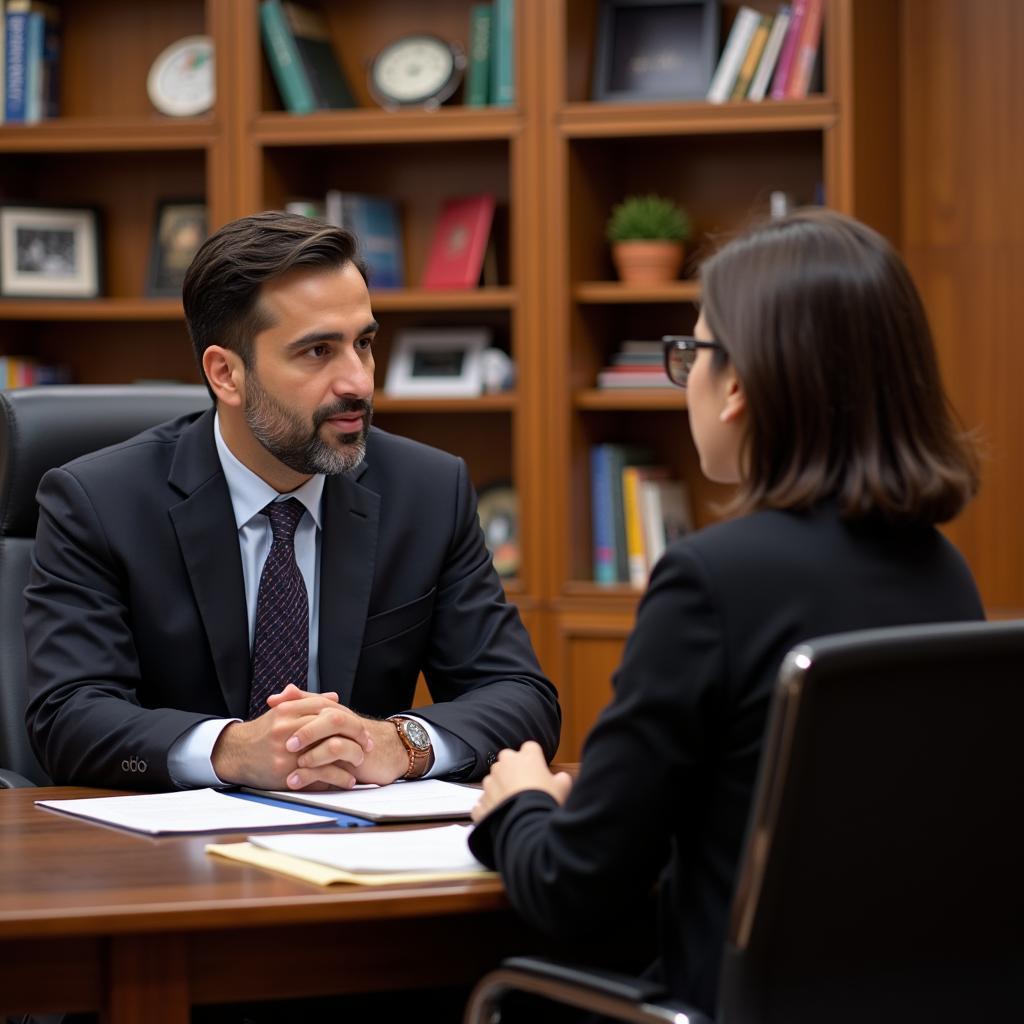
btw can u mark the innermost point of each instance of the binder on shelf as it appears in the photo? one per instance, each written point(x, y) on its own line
point(460, 238)
point(772, 48)
point(298, 48)
point(503, 53)
point(736, 46)
point(376, 223)
point(478, 71)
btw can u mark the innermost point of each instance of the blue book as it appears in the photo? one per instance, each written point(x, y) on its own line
point(503, 53)
point(601, 515)
point(375, 222)
point(34, 33)
point(15, 71)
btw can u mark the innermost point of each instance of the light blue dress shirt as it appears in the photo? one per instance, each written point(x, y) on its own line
point(189, 761)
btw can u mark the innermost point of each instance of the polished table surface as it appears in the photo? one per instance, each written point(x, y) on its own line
point(141, 927)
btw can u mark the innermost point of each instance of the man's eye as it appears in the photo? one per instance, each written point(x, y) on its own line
point(319, 351)
point(363, 344)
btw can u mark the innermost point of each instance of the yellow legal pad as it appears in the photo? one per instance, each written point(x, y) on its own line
point(321, 874)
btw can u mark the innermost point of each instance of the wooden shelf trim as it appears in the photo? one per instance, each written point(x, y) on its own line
point(415, 299)
point(504, 402)
point(341, 127)
point(640, 399)
point(91, 309)
point(614, 292)
point(108, 134)
point(598, 120)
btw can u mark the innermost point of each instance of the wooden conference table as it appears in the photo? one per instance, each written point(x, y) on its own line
point(140, 928)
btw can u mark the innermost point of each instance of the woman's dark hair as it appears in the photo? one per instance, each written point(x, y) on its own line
point(222, 285)
point(828, 335)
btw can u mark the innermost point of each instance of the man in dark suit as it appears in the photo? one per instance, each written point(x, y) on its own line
point(245, 595)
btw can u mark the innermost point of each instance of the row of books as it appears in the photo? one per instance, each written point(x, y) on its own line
point(636, 511)
point(459, 253)
point(29, 61)
point(772, 55)
point(637, 364)
point(490, 69)
point(23, 372)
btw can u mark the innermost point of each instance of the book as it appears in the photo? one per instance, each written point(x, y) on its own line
point(298, 48)
point(634, 512)
point(379, 858)
point(772, 47)
point(15, 70)
point(3, 63)
point(665, 510)
point(503, 53)
point(752, 58)
point(797, 12)
point(478, 70)
point(421, 800)
point(375, 222)
point(632, 377)
point(42, 52)
point(611, 560)
point(456, 255)
point(740, 36)
point(806, 51)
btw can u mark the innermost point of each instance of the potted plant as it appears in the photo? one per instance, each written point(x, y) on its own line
point(648, 233)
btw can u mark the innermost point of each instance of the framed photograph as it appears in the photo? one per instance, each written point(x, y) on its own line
point(498, 509)
point(178, 231)
point(49, 252)
point(655, 49)
point(437, 363)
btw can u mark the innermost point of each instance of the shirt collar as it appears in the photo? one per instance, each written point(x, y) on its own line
point(250, 494)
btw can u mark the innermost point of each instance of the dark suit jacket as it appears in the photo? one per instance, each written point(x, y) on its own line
point(136, 621)
point(667, 773)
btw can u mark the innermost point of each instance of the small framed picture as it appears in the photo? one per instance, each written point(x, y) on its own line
point(179, 230)
point(50, 252)
point(655, 49)
point(438, 363)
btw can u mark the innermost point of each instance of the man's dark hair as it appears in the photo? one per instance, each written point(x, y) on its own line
point(829, 338)
point(221, 289)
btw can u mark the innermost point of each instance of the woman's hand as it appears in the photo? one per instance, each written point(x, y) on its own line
point(516, 771)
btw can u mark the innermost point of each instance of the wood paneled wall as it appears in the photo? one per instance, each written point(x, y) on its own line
point(963, 235)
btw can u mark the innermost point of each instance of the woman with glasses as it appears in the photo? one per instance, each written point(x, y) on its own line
point(812, 385)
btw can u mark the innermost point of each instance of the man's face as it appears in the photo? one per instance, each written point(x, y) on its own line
point(309, 394)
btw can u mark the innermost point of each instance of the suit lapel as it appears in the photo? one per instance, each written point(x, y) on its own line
point(348, 551)
point(208, 539)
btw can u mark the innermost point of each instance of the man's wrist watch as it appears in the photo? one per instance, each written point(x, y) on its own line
point(416, 741)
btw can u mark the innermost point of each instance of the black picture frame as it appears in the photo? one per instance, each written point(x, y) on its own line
point(179, 227)
point(655, 50)
point(50, 251)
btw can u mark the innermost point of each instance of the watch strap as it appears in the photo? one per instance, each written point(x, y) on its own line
point(419, 760)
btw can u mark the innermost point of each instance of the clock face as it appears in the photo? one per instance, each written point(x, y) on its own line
point(181, 82)
point(416, 69)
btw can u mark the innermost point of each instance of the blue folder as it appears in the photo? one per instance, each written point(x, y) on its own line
point(341, 819)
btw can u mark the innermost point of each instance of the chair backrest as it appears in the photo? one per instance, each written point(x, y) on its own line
point(881, 877)
point(41, 428)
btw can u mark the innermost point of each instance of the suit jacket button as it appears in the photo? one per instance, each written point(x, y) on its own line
point(491, 758)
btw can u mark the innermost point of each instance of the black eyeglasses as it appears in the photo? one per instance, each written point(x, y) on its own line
point(681, 354)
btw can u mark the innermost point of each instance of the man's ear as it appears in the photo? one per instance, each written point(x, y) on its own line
point(226, 374)
point(735, 405)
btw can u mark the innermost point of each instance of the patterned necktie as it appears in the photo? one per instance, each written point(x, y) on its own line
point(280, 649)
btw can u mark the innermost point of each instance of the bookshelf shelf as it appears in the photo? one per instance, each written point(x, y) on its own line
point(503, 403)
point(631, 399)
point(113, 310)
point(622, 120)
point(109, 134)
point(422, 299)
point(341, 127)
point(614, 292)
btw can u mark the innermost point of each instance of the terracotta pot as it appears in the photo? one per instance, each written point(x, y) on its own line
point(647, 262)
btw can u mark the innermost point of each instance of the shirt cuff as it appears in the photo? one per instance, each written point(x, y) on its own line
point(190, 761)
point(450, 753)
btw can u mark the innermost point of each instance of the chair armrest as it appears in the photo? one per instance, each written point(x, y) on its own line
point(12, 780)
point(623, 997)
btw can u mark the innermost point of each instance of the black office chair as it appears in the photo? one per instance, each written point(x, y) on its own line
point(881, 875)
point(41, 428)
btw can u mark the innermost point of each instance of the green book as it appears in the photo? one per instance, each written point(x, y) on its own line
point(503, 51)
point(478, 74)
point(283, 57)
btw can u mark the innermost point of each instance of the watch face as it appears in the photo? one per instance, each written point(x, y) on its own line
point(416, 734)
point(416, 69)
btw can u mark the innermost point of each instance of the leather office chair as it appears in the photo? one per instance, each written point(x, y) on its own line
point(880, 878)
point(41, 428)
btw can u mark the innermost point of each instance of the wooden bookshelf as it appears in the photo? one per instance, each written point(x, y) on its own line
point(555, 162)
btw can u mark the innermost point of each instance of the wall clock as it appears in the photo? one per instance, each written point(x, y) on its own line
point(181, 82)
point(419, 70)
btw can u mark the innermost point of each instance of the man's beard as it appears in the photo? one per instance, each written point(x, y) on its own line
point(295, 441)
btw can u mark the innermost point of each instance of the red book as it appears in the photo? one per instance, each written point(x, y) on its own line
point(460, 240)
point(806, 51)
point(780, 82)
